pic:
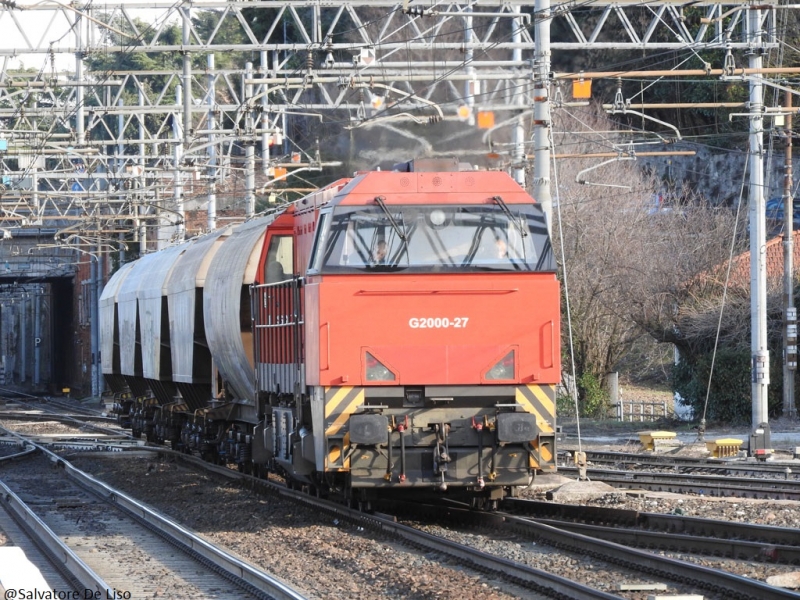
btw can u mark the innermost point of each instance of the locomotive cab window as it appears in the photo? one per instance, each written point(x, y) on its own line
point(319, 242)
point(279, 265)
point(385, 237)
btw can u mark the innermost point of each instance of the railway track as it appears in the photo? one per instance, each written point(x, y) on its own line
point(118, 546)
point(694, 483)
point(537, 584)
point(713, 583)
point(558, 536)
point(15, 522)
point(776, 469)
point(673, 533)
point(684, 578)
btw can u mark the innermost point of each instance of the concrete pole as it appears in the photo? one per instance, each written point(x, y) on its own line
point(265, 137)
point(23, 338)
point(93, 324)
point(140, 230)
point(541, 110)
point(758, 271)
point(518, 158)
point(101, 262)
point(37, 335)
point(35, 190)
point(790, 312)
point(177, 183)
point(124, 184)
point(472, 83)
point(187, 78)
point(80, 132)
point(211, 221)
point(249, 149)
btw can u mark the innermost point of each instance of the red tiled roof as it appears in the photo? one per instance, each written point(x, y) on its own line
point(740, 273)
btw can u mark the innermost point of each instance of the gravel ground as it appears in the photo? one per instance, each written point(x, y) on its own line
point(780, 513)
point(777, 513)
point(52, 428)
point(623, 437)
point(330, 560)
point(325, 559)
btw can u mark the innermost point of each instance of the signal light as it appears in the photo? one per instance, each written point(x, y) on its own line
point(376, 370)
point(464, 112)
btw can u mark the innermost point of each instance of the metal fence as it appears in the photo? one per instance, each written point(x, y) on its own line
point(640, 411)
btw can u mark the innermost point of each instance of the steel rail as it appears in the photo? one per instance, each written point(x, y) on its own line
point(176, 533)
point(690, 544)
point(57, 550)
point(707, 485)
point(522, 575)
point(26, 452)
point(544, 582)
point(669, 460)
point(685, 524)
point(230, 564)
point(733, 586)
point(50, 416)
point(722, 584)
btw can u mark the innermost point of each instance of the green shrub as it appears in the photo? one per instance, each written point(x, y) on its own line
point(565, 404)
point(730, 395)
point(593, 399)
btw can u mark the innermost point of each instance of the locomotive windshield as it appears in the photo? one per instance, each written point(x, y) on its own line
point(384, 237)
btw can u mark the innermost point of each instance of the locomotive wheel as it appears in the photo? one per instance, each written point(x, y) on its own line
point(485, 504)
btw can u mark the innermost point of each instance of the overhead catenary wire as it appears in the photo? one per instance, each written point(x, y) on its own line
point(424, 32)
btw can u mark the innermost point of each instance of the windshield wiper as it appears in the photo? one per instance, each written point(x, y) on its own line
point(380, 201)
point(511, 217)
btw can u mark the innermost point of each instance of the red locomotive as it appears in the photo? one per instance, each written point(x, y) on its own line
point(394, 331)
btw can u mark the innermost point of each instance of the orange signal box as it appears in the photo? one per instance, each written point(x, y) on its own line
point(485, 119)
point(582, 89)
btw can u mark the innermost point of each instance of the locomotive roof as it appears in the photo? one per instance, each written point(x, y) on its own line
point(449, 187)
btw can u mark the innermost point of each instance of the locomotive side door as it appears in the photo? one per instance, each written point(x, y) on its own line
point(279, 262)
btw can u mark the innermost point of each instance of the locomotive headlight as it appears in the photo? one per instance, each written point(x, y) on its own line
point(376, 370)
point(368, 429)
point(504, 369)
point(437, 217)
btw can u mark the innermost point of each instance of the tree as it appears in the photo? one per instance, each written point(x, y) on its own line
point(596, 218)
point(634, 263)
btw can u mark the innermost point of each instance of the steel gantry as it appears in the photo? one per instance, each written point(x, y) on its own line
point(163, 106)
point(356, 63)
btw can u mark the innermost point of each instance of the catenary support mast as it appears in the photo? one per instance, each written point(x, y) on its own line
point(758, 271)
point(541, 110)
